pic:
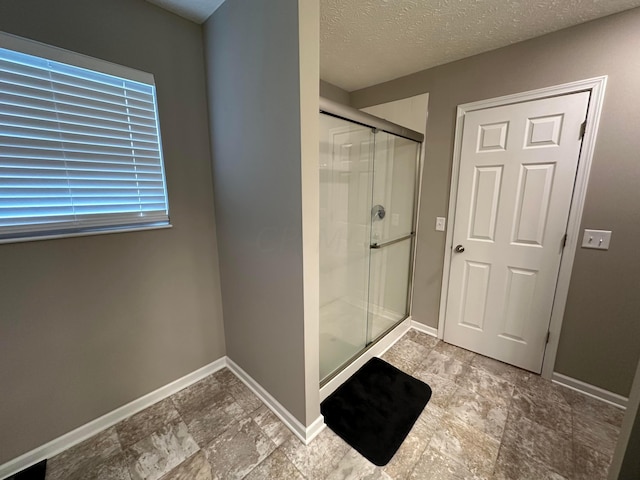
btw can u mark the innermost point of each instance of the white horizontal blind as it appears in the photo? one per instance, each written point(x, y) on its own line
point(80, 150)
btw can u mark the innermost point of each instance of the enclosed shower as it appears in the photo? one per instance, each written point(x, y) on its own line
point(368, 195)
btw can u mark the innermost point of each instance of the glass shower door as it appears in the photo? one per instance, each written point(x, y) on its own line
point(346, 176)
point(367, 201)
point(394, 190)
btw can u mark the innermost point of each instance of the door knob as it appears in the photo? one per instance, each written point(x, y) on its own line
point(459, 249)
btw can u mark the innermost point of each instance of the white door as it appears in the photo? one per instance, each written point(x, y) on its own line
point(517, 170)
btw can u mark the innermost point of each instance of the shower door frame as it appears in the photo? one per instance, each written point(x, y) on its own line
point(353, 115)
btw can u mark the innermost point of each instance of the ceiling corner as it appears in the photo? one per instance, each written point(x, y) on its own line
point(197, 11)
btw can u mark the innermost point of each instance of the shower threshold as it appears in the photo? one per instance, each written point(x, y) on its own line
point(329, 384)
point(346, 327)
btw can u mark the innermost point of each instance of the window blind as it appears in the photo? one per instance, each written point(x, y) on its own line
point(80, 150)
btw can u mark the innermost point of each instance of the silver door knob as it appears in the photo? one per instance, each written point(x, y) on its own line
point(459, 249)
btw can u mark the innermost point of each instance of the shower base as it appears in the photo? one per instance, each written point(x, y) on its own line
point(343, 333)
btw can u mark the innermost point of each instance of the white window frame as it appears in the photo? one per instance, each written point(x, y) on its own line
point(48, 52)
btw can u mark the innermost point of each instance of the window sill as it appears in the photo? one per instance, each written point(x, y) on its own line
point(104, 231)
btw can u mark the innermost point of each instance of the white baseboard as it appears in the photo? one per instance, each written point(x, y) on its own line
point(68, 440)
point(590, 390)
point(305, 434)
point(314, 429)
point(384, 344)
point(94, 427)
point(421, 327)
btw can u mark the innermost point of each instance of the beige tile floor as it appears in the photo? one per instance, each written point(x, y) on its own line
point(486, 420)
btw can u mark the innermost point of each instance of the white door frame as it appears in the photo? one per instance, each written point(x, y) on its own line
point(597, 88)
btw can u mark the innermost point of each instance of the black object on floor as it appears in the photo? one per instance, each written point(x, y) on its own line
point(375, 409)
point(34, 472)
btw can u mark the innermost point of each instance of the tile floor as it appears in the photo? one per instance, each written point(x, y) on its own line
point(486, 420)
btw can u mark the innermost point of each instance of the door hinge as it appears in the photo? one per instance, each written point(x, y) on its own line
point(583, 129)
point(548, 337)
point(564, 240)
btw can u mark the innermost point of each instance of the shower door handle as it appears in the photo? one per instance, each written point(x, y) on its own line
point(391, 242)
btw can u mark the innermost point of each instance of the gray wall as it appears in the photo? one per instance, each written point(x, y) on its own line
point(88, 324)
point(599, 341)
point(333, 92)
point(254, 102)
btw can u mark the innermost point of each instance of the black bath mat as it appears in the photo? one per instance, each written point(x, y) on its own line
point(34, 472)
point(375, 409)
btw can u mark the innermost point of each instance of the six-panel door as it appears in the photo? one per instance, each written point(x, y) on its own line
point(517, 170)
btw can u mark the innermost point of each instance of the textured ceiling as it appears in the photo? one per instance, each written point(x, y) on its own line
point(195, 10)
point(365, 42)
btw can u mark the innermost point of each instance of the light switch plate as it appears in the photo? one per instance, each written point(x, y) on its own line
point(598, 239)
point(440, 223)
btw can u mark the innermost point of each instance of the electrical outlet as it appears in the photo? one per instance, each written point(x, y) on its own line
point(598, 239)
point(440, 223)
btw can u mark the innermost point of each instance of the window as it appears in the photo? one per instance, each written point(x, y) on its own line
point(80, 148)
